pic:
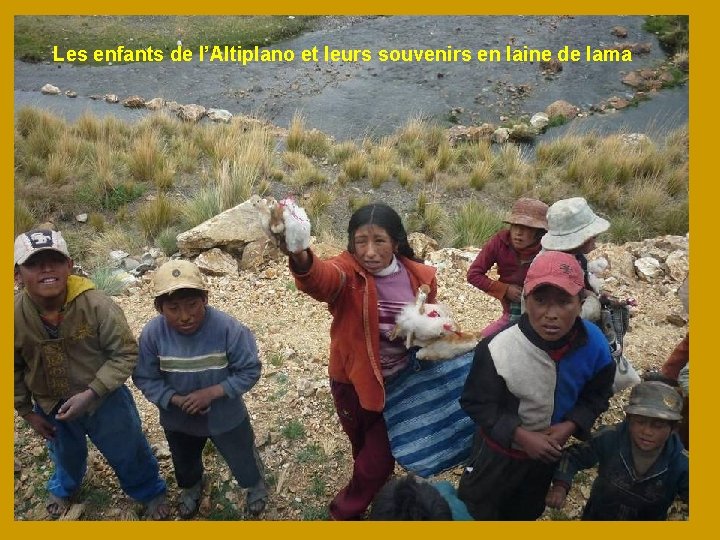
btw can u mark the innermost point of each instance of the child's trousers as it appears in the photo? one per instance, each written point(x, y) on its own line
point(115, 429)
point(237, 447)
point(373, 462)
point(497, 487)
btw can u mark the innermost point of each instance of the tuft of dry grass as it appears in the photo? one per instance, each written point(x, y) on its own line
point(355, 167)
point(312, 142)
point(156, 215)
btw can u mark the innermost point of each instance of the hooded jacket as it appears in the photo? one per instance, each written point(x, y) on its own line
point(95, 349)
point(351, 296)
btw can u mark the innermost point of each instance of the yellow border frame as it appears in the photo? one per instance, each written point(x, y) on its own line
point(703, 195)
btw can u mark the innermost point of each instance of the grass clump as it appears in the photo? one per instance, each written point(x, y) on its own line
point(106, 280)
point(293, 430)
point(155, 215)
point(312, 142)
point(474, 224)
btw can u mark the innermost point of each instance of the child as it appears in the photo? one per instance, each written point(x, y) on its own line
point(73, 353)
point(573, 228)
point(531, 387)
point(195, 364)
point(411, 498)
point(642, 463)
point(512, 250)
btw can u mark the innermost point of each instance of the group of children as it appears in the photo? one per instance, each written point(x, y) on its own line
point(74, 351)
point(542, 373)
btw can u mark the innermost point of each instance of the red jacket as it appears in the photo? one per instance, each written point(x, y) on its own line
point(511, 270)
point(355, 333)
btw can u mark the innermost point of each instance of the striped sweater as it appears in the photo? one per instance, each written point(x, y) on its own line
point(222, 351)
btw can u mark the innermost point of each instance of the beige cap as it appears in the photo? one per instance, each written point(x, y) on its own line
point(37, 240)
point(177, 274)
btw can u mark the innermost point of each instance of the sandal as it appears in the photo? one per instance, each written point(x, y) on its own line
point(57, 506)
point(257, 497)
point(190, 499)
point(157, 509)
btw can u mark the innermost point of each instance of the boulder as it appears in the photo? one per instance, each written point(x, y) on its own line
point(50, 90)
point(230, 230)
point(216, 262)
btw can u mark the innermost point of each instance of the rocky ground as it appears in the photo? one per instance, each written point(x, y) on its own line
point(306, 455)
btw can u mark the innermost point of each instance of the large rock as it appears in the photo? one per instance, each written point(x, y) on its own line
point(562, 108)
point(422, 244)
point(50, 90)
point(257, 253)
point(648, 269)
point(216, 262)
point(231, 230)
point(219, 115)
point(191, 112)
point(133, 102)
point(677, 265)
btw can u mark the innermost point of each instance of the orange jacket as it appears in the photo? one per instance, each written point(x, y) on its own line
point(355, 333)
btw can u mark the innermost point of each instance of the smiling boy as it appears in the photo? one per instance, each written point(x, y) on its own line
point(73, 353)
point(642, 463)
point(530, 388)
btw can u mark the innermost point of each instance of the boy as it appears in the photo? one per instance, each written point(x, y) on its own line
point(642, 463)
point(73, 353)
point(531, 387)
point(195, 364)
point(412, 498)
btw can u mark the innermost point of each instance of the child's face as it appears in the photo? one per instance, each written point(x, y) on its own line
point(522, 236)
point(648, 433)
point(373, 248)
point(45, 276)
point(552, 311)
point(184, 314)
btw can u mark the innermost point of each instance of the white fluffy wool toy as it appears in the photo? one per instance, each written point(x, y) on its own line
point(286, 220)
point(430, 327)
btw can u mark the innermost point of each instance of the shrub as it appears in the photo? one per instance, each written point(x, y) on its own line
point(105, 280)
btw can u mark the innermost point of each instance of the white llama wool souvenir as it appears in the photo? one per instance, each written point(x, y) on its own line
point(284, 220)
point(296, 225)
point(430, 327)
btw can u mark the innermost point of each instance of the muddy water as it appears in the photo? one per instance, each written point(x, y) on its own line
point(350, 99)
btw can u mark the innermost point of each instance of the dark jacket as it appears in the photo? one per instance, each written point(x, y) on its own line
point(532, 390)
point(618, 493)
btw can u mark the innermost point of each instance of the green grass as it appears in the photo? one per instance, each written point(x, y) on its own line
point(312, 453)
point(35, 35)
point(672, 31)
point(105, 281)
point(473, 225)
point(293, 430)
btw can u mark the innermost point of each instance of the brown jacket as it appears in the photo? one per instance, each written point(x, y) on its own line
point(96, 349)
point(355, 333)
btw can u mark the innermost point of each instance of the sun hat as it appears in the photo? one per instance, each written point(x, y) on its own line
point(29, 243)
point(557, 269)
point(655, 400)
point(528, 212)
point(571, 223)
point(177, 274)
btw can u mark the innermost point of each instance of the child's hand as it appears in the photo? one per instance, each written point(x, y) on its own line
point(538, 445)
point(40, 425)
point(178, 400)
point(513, 293)
point(198, 402)
point(76, 405)
point(556, 496)
point(561, 432)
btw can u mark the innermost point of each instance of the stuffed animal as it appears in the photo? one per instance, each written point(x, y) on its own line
point(284, 220)
point(430, 327)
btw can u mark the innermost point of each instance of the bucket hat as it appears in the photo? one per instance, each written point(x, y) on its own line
point(655, 400)
point(177, 274)
point(528, 212)
point(571, 223)
point(32, 242)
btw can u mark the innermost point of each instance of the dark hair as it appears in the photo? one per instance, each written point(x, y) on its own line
point(384, 216)
point(409, 499)
point(179, 294)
